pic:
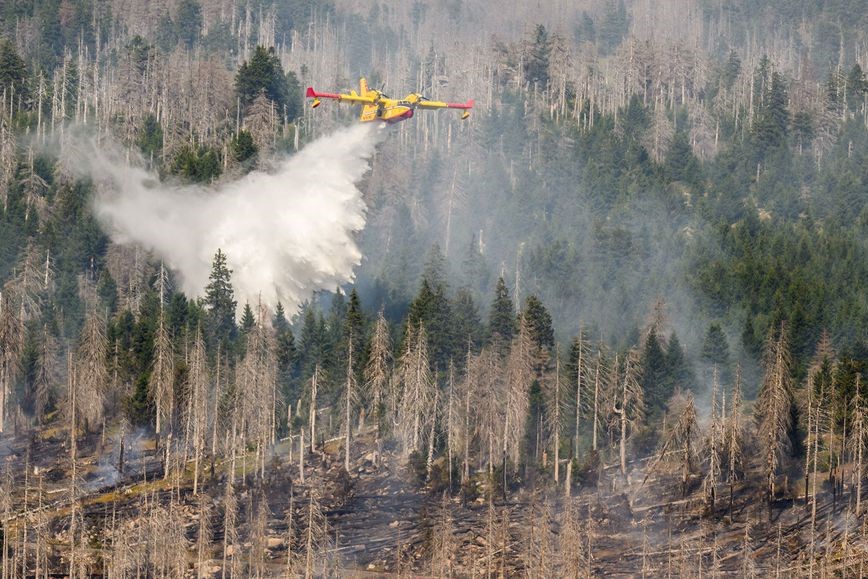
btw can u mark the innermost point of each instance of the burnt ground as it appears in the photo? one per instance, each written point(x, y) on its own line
point(381, 517)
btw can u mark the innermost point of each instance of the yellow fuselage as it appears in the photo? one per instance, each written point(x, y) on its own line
point(378, 107)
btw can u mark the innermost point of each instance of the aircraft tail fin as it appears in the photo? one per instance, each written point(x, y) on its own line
point(363, 87)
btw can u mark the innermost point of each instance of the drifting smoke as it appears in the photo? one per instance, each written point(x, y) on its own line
point(285, 233)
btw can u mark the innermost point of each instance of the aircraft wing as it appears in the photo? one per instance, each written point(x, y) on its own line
point(352, 97)
point(426, 104)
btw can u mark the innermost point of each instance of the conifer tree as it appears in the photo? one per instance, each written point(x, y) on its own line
point(13, 71)
point(501, 320)
point(247, 319)
point(220, 300)
point(715, 349)
point(679, 370)
point(467, 323)
point(654, 371)
point(286, 351)
point(539, 323)
point(263, 74)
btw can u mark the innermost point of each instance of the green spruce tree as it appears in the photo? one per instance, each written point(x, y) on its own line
point(220, 301)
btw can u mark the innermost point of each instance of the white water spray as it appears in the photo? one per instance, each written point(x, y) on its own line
point(286, 233)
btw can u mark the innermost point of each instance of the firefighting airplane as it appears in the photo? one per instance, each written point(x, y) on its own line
point(379, 107)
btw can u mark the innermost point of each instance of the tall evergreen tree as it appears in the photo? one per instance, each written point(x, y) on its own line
point(286, 353)
point(188, 22)
point(678, 368)
point(247, 319)
point(466, 321)
point(220, 301)
point(263, 73)
point(430, 308)
point(539, 323)
point(501, 319)
point(655, 374)
point(715, 351)
point(354, 332)
point(13, 71)
point(311, 341)
point(771, 116)
point(536, 66)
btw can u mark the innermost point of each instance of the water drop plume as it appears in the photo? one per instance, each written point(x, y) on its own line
point(286, 233)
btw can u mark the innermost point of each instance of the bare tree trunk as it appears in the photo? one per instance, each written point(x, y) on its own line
point(350, 394)
point(557, 417)
point(595, 425)
point(301, 450)
point(312, 416)
point(579, 370)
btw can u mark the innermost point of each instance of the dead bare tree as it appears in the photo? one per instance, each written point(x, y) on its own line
point(293, 561)
point(538, 549)
point(30, 282)
point(161, 381)
point(203, 536)
point(443, 544)
point(598, 399)
point(47, 373)
point(680, 439)
point(167, 541)
point(230, 534)
point(734, 438)
point(713, 444)
point(748, 564)
point(630, 404)
point(350, 396)
point(378, 370)
point(773, 409)
point(485, 409)
point(580, 346)
point(467, 415)
point(196, 410)
point(417, 389)
point(314, 381)
point(519, 374)
point(91, 371)
point(6, 505)
point(573, 544)
point(257, 380)
point(554, 401)
point(857, 442)
point(258, 535)
point(11, 347)
point(316, 541)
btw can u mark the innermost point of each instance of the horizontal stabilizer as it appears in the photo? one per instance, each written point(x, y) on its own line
point(467, 105)
point(312, 94)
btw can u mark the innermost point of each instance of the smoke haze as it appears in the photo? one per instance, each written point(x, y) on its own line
point(286, 233)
